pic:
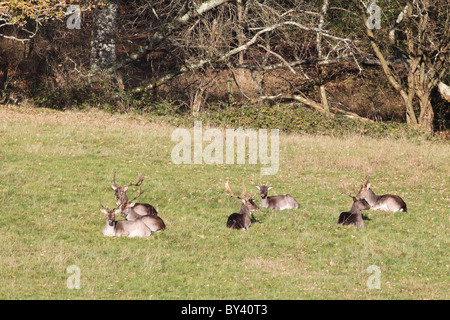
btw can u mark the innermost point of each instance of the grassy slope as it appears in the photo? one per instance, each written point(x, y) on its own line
point(54, 167)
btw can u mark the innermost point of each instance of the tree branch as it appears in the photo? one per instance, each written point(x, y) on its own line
point(230, 53)
point(159, 36)
point(279, 57)
point(314, 105)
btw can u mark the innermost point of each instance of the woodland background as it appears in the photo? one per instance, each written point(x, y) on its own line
point(296, 65)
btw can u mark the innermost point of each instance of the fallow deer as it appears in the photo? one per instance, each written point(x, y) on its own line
point(153, 222)
point(387, 202)
point(353, 216)
point(241, 220)
point(120, 193)
point(125, 228)
point(276, 202)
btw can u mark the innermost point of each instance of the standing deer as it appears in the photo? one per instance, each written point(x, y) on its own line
point(241, 220)
point(276, 202)
point(353, 216)
point(387, 202)
point(153, 222)
point(125, 228)
point(120, 193)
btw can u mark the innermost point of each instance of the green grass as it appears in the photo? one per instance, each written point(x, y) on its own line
point(56, 165)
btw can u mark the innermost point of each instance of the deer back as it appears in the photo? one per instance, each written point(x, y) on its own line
point(348, 218)
point(242, 220)
point(390, 202)
point(135, 210)
point(123, 228)
point(154, 223)
point(132, 229)
point(239, 221)
point(280, 202)
point(354, 216)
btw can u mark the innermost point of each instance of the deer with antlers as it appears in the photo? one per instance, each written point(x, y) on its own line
point(354, 216)
point(241, 220)
point(120, 193)
point(387, 202)
point(125, 228)
point(153, 222)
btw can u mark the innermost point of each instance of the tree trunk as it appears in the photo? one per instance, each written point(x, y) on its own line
point(323, 95)
point(424, 84)
point(426, 117)
point(103, 45)
point(408, 95)
point(411, 118)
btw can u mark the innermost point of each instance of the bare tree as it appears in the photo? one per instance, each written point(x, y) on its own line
point(164, 31)
point(424, 24)
point(273, 35)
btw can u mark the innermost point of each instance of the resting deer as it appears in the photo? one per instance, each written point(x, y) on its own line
point(123, 228)
point(120, 194)
point(242, 219)
point(353, 216)
point(153, 222)
point(276, 202)
point(387, 202)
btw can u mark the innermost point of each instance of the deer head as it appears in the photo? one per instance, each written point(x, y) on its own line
point(129, 204)
point(263, 190)
point(120, 192)
point(109, 213)
point(358, 203)
point(365, 187)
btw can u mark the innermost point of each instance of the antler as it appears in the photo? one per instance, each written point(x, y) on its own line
point(102, 203)
point(227, 187)
point(243, 195)
point(114, 180)
point(244, 191)
point(107, 209)
point(140, 192)
point(138, 182)
point(343, 190)
point(367, 179)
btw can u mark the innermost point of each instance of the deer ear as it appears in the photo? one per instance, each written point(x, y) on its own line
point(114, 187)
point(368, 186)
point(132, 204)
point(257, 187)
point(104, 211)
point(117, 211)
point(125, 188)
point(243, 201)
point(269, 188)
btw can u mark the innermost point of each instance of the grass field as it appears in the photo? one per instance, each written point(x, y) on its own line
point(56, 165)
